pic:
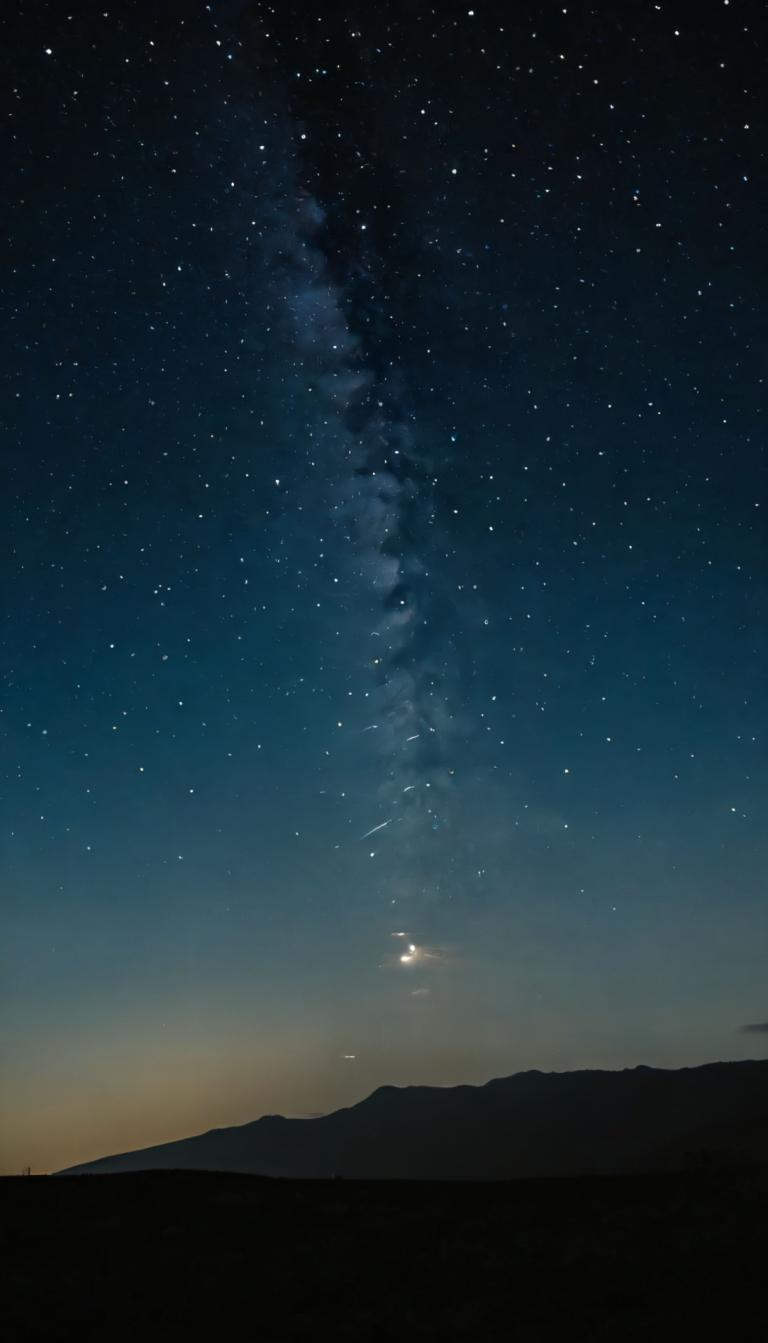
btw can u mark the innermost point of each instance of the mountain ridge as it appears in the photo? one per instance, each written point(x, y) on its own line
point(532, 1123)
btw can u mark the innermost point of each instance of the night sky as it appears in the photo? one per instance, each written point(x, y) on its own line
point(383, 499)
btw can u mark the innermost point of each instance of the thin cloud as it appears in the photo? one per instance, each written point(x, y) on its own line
point(755, 1028)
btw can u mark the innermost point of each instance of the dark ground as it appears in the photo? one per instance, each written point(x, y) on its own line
point(166, 1255)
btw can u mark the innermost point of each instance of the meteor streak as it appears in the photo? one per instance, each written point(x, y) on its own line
point(375, 828)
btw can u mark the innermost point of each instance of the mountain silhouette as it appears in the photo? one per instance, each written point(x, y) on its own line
point(531, 1124)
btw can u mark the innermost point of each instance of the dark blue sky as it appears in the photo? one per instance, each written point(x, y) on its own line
point(406, 370)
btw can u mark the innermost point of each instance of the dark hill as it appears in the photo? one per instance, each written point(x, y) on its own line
point(530, 1124)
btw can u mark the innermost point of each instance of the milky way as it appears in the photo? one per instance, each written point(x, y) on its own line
point(386, 505)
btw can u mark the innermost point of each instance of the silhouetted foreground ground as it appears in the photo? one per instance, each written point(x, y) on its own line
point(166, 1255)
